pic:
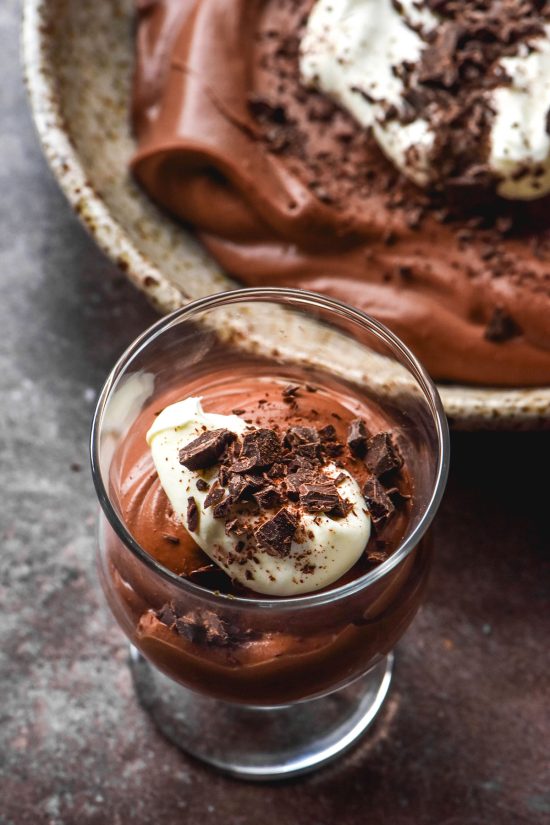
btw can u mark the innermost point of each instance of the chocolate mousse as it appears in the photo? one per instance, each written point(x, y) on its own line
point(416, 200)
point(265, 491)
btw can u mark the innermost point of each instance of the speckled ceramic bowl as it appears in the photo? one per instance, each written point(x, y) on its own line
point(78, 61)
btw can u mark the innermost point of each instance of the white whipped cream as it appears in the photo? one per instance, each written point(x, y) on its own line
point(353, 45)
point(330, 546)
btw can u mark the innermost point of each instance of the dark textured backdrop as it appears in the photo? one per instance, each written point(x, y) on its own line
point(463, 739)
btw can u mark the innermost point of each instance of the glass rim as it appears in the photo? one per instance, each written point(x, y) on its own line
point(298, 298)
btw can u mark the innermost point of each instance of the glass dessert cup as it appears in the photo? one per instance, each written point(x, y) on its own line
point(294, 681)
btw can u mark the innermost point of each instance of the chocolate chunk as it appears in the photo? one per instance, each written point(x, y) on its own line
point(303, 441)
point(202, 485)
point(327, 433)
point(340, 478)
point(382, 454)
point(290, 391)
point(167, 614)
point(254, 482)
point(501, 327)
point(319, 497)
point(237, 486)
point(333, 448)
point(205, 450)
point(264, 111)
point(215, 495)
point(295, 480)
point(224, 475)
point(275, 536)
point(379, 503)
point(357, 437)
point(203, 627)
point(235, 526)
point(277, 471)
point(296, 463)
point(268, 498)
point(192, 515)
point(223, 509)
point(260, 449)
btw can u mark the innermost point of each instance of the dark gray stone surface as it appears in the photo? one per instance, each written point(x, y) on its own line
point(464, 737)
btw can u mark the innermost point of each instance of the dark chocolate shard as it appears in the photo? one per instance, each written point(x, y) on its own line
point(501, 327)
point(205, 450)
point(260, 449)
point(327, 433)
point(277, 471)
point(290, 391)
point(275, 535)
point(202, 485)
point(203, 627)
point(215, 495)
point(237, 486)
point(319, 497)
point(379, 504)
point(357, 437)
point(382, 454)
point(167, 614)
point(223, 509)
point(192, 515)
point(303, 441)
point(298, 478)
point(235, 526)
point(268, 498)
point(254, 481)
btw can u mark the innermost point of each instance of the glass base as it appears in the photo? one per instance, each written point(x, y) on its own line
point(262, 743)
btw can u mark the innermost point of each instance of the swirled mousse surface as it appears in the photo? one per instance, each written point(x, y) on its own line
point(173, 510)
point(285, 187)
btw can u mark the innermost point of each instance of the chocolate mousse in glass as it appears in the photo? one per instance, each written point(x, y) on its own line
point(268, 462)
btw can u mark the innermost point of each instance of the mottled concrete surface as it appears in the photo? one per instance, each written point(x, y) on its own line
point(464, 738)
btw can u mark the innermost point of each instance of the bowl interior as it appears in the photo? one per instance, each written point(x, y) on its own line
point(79, 63)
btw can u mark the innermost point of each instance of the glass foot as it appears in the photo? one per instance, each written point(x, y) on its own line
point(259, 743)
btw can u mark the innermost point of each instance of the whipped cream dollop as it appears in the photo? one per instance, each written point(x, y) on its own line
point(323, 548)
point(363, 54)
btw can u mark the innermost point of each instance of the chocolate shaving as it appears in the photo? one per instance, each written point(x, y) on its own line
point(275, 535)
point(382, 454)
point(357, 437)
point(379, 503)
point(501, 327)
point(205, 450)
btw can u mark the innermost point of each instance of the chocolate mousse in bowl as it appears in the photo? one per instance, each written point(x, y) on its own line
point(394, 155)
point(268, 462)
